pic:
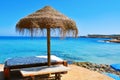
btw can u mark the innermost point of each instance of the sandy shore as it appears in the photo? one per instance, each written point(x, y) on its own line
point(1, 67)
point(75, 73)
point(80, 73)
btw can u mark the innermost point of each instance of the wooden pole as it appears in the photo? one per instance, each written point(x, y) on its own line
point(48, 46)
point(31, 32)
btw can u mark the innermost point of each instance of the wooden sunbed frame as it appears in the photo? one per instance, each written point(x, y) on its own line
point(56, 70)
point(8, 68)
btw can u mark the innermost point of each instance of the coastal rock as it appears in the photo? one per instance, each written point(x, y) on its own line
point(113, 40)
point(101, 68)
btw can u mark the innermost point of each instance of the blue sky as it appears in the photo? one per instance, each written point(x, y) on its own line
point(91, 16)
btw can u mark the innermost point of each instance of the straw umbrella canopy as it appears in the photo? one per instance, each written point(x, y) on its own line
point(47, 18)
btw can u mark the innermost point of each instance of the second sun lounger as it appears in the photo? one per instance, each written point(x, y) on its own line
point(57, 70)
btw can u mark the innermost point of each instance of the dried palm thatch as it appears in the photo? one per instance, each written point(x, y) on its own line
point(47, 18)
point(44, 18)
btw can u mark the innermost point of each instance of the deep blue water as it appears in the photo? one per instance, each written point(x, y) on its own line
point(71, 49)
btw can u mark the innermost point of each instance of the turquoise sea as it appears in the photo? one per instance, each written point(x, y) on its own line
point(71, 49)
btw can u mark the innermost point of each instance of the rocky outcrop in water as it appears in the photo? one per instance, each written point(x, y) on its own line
point(113, 40)
point(97, 67)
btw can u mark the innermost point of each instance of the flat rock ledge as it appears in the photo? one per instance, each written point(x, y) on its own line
point(101, 68)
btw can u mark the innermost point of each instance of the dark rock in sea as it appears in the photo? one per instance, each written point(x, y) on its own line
point(113, 40)
point(97, 67)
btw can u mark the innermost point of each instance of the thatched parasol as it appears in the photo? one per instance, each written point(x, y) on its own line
point(47, 18)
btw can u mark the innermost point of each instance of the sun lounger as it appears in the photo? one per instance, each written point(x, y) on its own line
point(27, 62)
point(55, 69)
point(115, 66)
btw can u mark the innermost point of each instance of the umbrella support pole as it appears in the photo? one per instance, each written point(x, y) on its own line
point(48, 46)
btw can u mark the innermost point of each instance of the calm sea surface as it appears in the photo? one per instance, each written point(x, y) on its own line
point(71, 49)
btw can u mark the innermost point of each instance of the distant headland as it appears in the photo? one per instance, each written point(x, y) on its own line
point(113, 38)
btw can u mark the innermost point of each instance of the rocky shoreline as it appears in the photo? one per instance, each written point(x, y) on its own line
point(101, 68)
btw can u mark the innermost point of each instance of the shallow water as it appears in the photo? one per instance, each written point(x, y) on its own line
point(71, 49)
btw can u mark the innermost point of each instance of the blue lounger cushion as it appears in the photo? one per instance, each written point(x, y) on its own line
point(115, 66)
point(114, 76)
point(30, 60)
